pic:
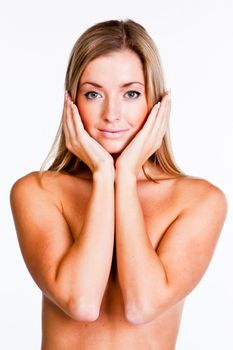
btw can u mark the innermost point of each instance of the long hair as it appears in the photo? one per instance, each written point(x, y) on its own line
point(100, 39)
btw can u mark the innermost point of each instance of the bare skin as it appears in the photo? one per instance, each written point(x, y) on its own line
point(115, 254)
point(111, 329)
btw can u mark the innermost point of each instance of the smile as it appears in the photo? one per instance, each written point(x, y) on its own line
point(112, 134)
point(105, 130)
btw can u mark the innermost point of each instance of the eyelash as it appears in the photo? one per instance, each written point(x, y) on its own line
point(135, 92)
point(94, 92)
point(88, 93)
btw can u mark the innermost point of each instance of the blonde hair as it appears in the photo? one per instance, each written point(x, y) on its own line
point(100, 39)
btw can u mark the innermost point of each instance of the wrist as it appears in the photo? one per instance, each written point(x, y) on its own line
point(124, 169)
point(125, 175)
point(106, 174)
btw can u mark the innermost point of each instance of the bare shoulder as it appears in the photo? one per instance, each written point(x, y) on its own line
point(44, 184)
point(189, 242)
point(194, 191)
point(42, 230)
point(40, 180)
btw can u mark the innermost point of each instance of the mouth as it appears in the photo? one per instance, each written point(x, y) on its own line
point(108, 133)
point(113, 131)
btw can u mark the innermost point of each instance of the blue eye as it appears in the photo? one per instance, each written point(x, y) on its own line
point(132, 94)
point(91, 95)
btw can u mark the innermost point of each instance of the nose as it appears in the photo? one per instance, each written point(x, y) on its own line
point(111, 110)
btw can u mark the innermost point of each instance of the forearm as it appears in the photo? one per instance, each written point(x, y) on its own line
point(83, 273)
point(141, 274)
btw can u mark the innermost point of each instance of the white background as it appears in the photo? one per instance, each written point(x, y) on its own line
point(195, 42)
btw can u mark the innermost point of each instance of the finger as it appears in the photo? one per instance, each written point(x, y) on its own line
point(160, 131)
point(64, 120)
point(151, 118)
point(165, 111)
point(68, 127)
point(76, 118)
point(163, 107)
point(69, 121)
point(154, 112)
point(159, 124)
point(159, 106)
point(163, 115)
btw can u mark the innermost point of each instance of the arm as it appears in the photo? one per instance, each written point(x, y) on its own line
point(83, 272)
point(72, 273)
point(99, 220)
point(152, 281)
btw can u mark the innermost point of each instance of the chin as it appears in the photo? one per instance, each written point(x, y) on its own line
point(114, 147)
point(115, 151)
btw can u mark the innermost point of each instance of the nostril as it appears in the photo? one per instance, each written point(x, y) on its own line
point(111, 117)
point(111, 110)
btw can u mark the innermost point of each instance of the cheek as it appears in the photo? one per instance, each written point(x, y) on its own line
point(139, 115)
point(86, 113)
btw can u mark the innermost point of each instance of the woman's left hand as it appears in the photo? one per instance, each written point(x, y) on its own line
point(148, 140)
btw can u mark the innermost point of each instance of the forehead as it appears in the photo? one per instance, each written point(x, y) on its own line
point(123, 65)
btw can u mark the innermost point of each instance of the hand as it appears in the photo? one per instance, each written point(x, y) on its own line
point(148, 140)
point(80, 143)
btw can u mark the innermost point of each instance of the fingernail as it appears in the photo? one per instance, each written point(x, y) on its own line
point(158, 104)
point(66, 95)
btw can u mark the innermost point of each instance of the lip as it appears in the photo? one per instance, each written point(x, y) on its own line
point(112, 134)
point(113, 131)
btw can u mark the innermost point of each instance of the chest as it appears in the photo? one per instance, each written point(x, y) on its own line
point(160, 207)
point(158, 202)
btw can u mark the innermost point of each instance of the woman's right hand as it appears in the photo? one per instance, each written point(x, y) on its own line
point(80, 143)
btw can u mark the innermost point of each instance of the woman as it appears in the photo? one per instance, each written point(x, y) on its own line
point(114, 234)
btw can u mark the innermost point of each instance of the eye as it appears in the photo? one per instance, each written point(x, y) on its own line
point(92, 95)
point(132, 94)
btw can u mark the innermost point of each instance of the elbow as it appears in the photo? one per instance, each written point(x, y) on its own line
point(136, 316)
point(141, 315)
point(83, 311)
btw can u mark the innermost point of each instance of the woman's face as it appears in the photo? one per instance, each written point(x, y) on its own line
point(111, 99)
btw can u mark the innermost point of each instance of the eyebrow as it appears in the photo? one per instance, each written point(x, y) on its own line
point(99, 86)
